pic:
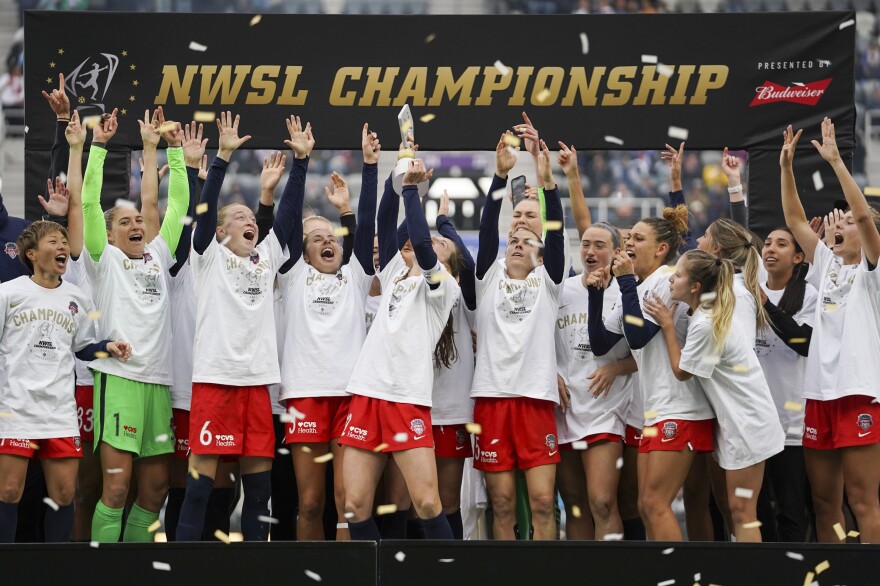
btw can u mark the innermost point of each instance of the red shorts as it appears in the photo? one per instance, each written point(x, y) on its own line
point(517, 432)
point(180, 426)
point(231, 421)
point(840, 423)
point(324, 419)
point(58, 447)
point(452, 441)
point(374, 423)
point(85, 413)
point(633, 436)
point(675, 435)
point(593, 438)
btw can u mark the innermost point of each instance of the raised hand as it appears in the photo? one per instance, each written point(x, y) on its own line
point(75, 133)
point(59, 198)
point(301, 140)
point(338, 196)
point(106, 128)
point(658, 310)
point(229, 139)
point(203, 168)
point(170, 131)
point(163, 170)
point(546, 169)
point(416, 173)
point(567, 159)
point(58, 100)
point(193, 144)
point(731, 166)
point(597, 278)
point(828, 148)
point(443, 210)
point(789, 143)
point(273, 169)
point(530, 136)
point(504, 158)
point(370, 145)
point(150, 129)
point(674, 158)
point(621, 264)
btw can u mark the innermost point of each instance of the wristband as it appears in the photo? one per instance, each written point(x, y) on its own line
point(103, 145)
point(736, 189)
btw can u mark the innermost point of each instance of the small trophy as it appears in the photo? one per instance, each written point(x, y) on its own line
point(406, 154)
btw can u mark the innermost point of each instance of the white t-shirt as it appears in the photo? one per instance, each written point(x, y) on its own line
point(745, 312)
point(76, 275)
point(784, 368)
point(278, 406)
point(326, 313)
point(133, 295)
point(662, 393)
point(575, 361)
point(396, 362)
point(39, 332)
point(635, 414)
point(235, 324)
point(371, 306)
point(452, 404)
point(748, 430)
point(845, 347)
point(183, 330)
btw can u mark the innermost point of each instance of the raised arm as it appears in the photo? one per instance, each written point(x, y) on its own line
point(419, 233)
point(150, 177)
point(488, 247)
point(466, 276)
point(193, 153)
point(288, 222)
point(731, 167)
point(178, 188)
point(568, 162)
point(795, 217)
point(676, 191)
point(532, 142)
point(601, 340)
point(60, 105)
point(366, 229)
point(386, 224)
point(636, 328)
point(75, 136)
point(273, 169)
point(861, 211)
point(94, 227)
point(554, 246)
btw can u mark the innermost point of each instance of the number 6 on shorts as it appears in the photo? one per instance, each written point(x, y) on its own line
point(205, 436)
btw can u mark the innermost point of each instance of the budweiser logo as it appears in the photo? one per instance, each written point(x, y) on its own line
point(798, 93)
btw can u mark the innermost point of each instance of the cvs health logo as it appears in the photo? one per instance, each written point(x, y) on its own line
point(808, 94)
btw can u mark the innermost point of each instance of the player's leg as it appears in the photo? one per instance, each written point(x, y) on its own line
point(501, 487)
point(664, 475)
point(600, 462)
point(861, 473)
point(310, 480)
point(450, 472)
point(13, 470)
point(743, 509)
point(361, 472)
point(825, 471)
point(419, 469)
point(61, 486)
point(571, 481)
point(542, 498)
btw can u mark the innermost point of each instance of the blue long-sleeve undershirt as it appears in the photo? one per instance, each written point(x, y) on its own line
point(417, 226)
point(386, 224)
point(554, 245)
point(185, 244)
point(206, 223)
point(488, 243)
point(637, 336)
point(601, 340)
point(466, 277)
point(676, 198)
point(366, 228)
point(87, 354)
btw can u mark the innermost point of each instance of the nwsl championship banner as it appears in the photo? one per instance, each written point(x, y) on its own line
point(598, 81)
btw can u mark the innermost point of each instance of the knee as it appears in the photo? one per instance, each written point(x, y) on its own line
point(451, 500)
point(311, 506)
point(863, 503)
point(542, 504)
point(114, 494)
point(651, 506)
point(602, 505)
point(427, 505)
point(503, 505)
point(64, 494)
point(11, 491)
point(742, 510)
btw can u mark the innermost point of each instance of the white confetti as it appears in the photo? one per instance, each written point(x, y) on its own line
point(94, 544)
point(123, 203)
point(579, 445)
point(51, 504)
point(613, 140)
point(162, 437)
point(231, 477)
point(114, 470)
point(401, 437)
point(666, 583)
point(613, 537)
point(752, 525)
point(619, 463)
point(498, 194)
point(585, 44)
point(707, 297)
point(295, 413)
point(225, 241)
point(446, 560)
point(794, 555)
point(493, 442)
point(162, 566)
point(400, 556)
point(26, 129)
point(668, 550)
point(678, 132)
point(186, 220)
point(817, 181)
point(349, 515)
point(502, 68)
point(650, 59)
point(697, 576)
point(665, 70)
point(194, 46)
point(690, 446)
point(267, 519)
point(846, 23)
point(794, 430)
point(744, 493)
point(710, 360)
point(63, 177)
point(283, 451)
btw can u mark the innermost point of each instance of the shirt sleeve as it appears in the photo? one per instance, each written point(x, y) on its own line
point(94, 227)
point(696, 356)
point(822, 257)
point(84, 334)
point(178, 198)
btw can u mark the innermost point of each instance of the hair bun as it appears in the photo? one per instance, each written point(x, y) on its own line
point(678, 217)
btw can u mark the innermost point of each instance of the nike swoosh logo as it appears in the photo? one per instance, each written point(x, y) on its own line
point(553, 453)
point(667, 439)
point(637, 438)
point(418, 437)
point(14, 305)
point(864, 434)
point(459, 448)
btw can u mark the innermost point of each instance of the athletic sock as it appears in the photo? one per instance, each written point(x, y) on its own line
point(192, 512)
point(456, 525)
point(58, 524)
point(172, 512)
point(257, 490)
point(438, 527)
point(634, 529)
point(217, 513)
point(364, 530)
point(137, 525)
point(106, 523)
point(394, 525)
point(414, 529)
point(8, 521)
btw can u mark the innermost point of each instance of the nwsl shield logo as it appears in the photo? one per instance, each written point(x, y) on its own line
point(73, 307)
point(550, 442)
point(865, 421)
point(417, 426)
point(461, 437)
point(89, 81)
point(670, 428)
point(11, 250)
point(77, 443)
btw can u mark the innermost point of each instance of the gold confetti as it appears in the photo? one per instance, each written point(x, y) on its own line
point(90, 121)
point(256, 19)
point(512, 140)
point(438, 276)
point(342, 231)
point(841, 534)
point(872, 191)
point(650, 414)
point(427, 118)
point(543, 96)
point(739, 368)
point(743, 493)
point(6, 415)
point(831, 307)
point(792, 406)
point(649, 432)
point(808, 579)
point(325, 458)
point(220, 535)
point(822, 566)
point(430, 38)
point(94, 315)
point(167, 127)
point(576, 511)
point(154, 526)
point(194, 473)
point(201, 208)
point(204, 116)
point(51, 504)
point(752, 525)
point(407, 124)
point(100, 354)
point(797, 341)
point(306, 449)
point(380, 447)
point(386, 509)
point(33, 445)
point(474, 428)
point(633, 320)
point(552, 225)
point(853, 534)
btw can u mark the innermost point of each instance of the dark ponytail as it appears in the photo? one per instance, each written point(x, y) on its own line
point(445, 352)
point(792, 300)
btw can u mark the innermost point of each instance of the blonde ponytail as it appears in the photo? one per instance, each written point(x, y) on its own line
point(714, 275)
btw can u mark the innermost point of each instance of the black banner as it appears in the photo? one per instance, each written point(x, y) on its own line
point(598, 81)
